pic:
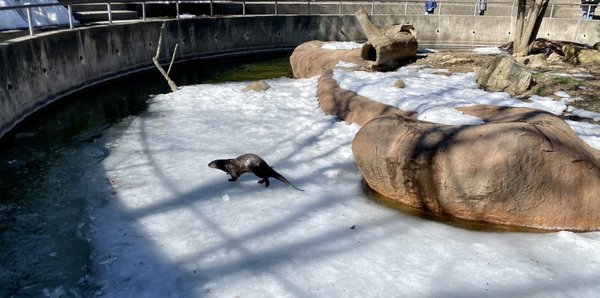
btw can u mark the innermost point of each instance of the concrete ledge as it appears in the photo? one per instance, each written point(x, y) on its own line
point(42, 69)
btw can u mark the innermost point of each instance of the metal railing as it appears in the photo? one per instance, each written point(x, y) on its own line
point(440, 10)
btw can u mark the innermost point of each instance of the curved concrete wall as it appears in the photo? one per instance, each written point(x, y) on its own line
point(41, 69)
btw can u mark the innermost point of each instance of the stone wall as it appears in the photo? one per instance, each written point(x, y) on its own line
point(39, 70)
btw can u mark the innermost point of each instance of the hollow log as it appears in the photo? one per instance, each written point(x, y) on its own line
point(386, 47)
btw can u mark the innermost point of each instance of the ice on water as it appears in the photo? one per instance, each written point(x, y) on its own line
point(174, 227)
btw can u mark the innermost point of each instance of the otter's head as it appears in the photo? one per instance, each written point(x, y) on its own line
point(220, 164)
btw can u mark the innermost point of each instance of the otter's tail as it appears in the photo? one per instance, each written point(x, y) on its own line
point(282, 179)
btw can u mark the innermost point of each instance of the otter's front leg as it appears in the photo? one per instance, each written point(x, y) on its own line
point(233, 177)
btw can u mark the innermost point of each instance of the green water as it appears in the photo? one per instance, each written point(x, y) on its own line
point(43, 161)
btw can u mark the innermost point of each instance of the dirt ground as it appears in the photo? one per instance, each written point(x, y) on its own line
point(579, 81)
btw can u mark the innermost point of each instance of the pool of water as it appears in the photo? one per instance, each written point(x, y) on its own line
point(43, 199)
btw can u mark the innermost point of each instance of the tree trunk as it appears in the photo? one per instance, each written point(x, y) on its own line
point(528, 25)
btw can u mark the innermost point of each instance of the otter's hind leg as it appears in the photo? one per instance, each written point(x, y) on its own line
point(265, 181)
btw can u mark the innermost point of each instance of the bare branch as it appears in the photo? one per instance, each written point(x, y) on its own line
point(172, 58)
point(155, 60)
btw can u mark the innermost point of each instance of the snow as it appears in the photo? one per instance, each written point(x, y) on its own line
point(173, 227)
point(448, 116)
point(344, 64)
point(487, 50)
point(341, 45)
point(434, 95)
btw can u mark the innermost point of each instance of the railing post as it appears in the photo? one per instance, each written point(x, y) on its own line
point(551, 10)
point(70, 8)
point(440, 10)
point(588, 12)
point(308, 7)
point(211, 8)
point(30, 21)
point(108, 8)
point(244, 7)
point(372, 7)
point(177, 9)
point(144, 11)
point(340, 10)
point(406, 8)
point(275, 7)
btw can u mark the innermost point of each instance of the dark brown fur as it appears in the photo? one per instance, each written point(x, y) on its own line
point(249, 163)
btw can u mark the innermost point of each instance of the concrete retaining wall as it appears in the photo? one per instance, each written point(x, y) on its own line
point(41, 69)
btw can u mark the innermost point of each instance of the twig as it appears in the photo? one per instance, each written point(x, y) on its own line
point(155, 60)
point(172, 58)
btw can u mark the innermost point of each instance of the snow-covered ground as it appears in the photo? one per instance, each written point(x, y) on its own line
point(176, 228)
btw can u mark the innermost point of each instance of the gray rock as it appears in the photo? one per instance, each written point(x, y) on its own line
point(399, 84)
point(505, 74)
point(257, 86)
point(533, 61)
point(576, 54)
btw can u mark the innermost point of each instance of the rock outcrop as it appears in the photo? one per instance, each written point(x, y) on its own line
point(505, 74)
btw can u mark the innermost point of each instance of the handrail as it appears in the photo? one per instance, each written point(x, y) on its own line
point(275, 3)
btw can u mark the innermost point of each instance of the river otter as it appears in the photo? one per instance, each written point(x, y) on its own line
point(249, 163)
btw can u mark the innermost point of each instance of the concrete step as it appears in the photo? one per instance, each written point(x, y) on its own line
point(98, 16)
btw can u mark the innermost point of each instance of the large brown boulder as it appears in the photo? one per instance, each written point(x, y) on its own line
point(504, 74)
point(311, 59)
point(524, 167)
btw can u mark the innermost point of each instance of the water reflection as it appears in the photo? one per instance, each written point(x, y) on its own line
point(446, 219)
